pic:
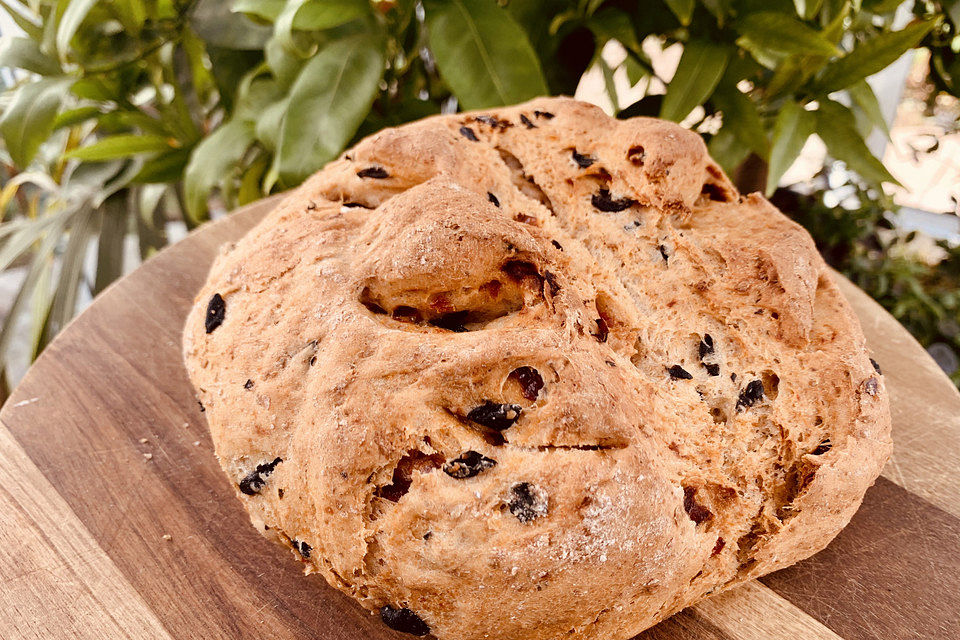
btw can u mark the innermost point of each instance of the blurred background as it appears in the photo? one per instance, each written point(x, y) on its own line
point(126, 123)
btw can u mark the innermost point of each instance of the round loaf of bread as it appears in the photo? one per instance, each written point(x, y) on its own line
point(535, 373)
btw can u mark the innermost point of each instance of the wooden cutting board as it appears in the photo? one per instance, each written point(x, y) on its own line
point(116, 522)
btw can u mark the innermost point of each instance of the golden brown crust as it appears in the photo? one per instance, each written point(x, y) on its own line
point(689, 398)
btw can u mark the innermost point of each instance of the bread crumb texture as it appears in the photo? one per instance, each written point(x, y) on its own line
point(535, 373)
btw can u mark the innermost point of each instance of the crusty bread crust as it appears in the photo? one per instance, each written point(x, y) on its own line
point(666, 393)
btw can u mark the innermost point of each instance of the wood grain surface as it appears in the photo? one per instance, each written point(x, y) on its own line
point(116, 522)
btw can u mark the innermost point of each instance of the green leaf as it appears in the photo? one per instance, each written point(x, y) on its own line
point(24, 53)
point(728, 150)
point(40, 300)
point(256, 93)
point(211, 161)
point(48, 39)
point(73, 117)
point(561, 19)
point(165, 168)
point(787, 77)
point(790, 131)
point(777, 33)
point(830, 9)
point(15, 225)
point(742, 67)
point(150, 216)
point(200, 74)
point(613, 24)
point(269, 123)
point(741, 116)
point(683, 9)
point(131, 14)
point(213, 21)
point(315, 15)
point(589, 6)
point(71, 20)
point(249, 189)
point(863, 97)
point(635, 70)
point(871, 56)
point(834, 29)
point(648, 106)
point(35, 285)
point(806, 9)
point(228, 68)
point(284, 65)
point(95, 89)
point(482, 54)
point(71, 270)
point(701, 66)
point(719, 8)
point(265, 9)
point(92, 176)
point(609, 85)
point(175, 113)
point(328, 102)
point(135, 119)
point(113, 229)
point(28, 119)
point(130, 168)
point(167, 9)
point(837, 127)
point(120, 146)
point(862, 122)
point(20, 242)
point(9, 191)
point(533, 18)
point(23, 18)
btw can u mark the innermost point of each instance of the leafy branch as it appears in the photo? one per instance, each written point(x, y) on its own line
point(129, 117)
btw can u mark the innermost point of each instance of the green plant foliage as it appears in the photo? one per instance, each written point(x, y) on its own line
point(122, 145)
point(482, 53)
point(790, 131)
point(863, 97)
point(327, 103)
point(871, 56)
point(742, 118)
point(683, 9)
point(767, 34)
point(211, 160)
point(29, 116)
point(837, 126)
point(24, 53)
point(699, 71)
point(127, 114)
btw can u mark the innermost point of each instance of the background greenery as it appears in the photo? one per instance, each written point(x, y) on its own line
point(128, 114)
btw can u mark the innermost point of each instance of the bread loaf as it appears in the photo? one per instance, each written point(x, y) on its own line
point(535, 373)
